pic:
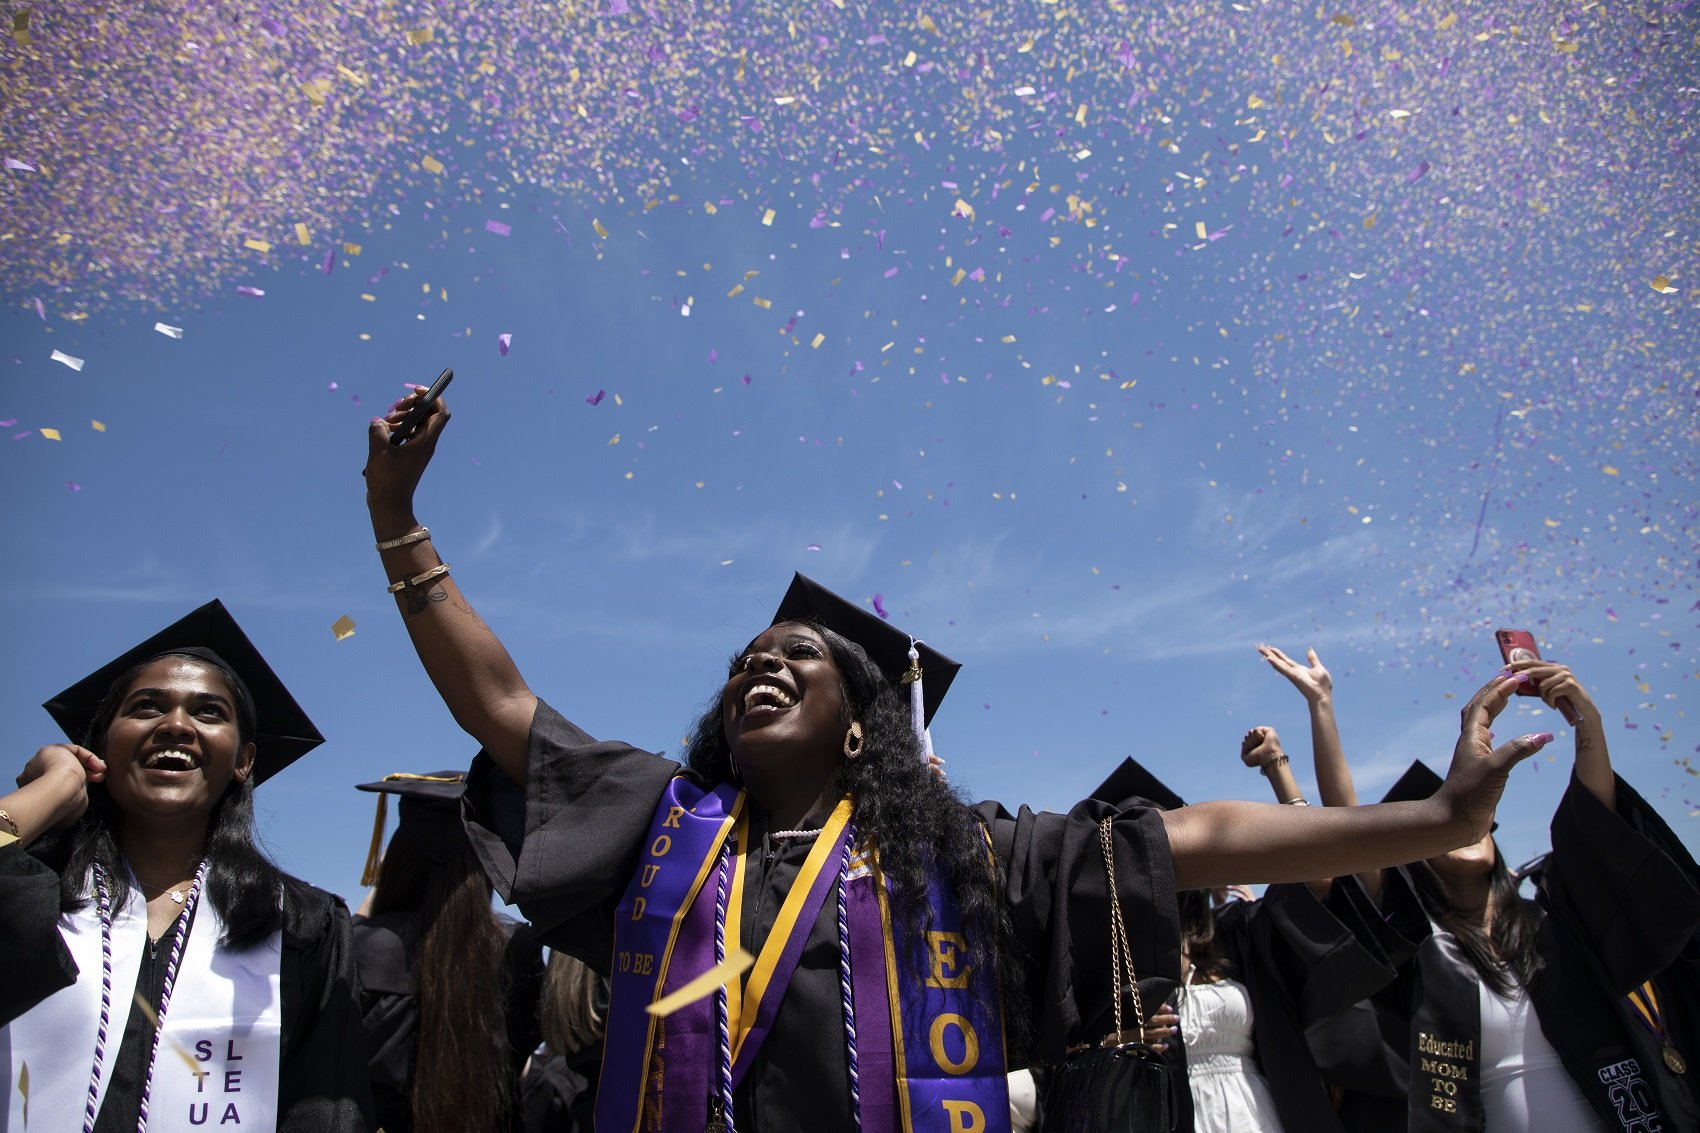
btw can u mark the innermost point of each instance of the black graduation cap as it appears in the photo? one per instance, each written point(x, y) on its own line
point(1417, 783)
point(282, 731)
point(1132, 781)
point(430, 815)
point(886, 645)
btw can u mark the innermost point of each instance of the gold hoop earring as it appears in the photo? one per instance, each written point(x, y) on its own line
point(853, 740)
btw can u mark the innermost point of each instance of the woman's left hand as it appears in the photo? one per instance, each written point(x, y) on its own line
point(1313, 681)
point(1161, 1027)
point(1477, 775)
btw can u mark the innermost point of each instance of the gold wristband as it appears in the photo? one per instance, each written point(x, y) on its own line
point(418, 534)
point(419, 579)
point(11, 824)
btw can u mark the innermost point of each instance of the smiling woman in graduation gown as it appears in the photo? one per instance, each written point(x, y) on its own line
point(249, 972)
point(1615, 909)
point(899, 934)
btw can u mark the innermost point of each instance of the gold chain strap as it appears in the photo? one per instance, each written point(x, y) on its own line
point(1121, 955)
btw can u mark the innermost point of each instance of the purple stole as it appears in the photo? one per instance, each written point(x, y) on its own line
point(930, 1054)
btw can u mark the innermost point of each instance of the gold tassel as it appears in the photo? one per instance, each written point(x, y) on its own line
point(375, 855)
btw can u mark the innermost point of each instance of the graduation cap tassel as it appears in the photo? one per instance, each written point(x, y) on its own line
point(918, 700)
point(375, 855)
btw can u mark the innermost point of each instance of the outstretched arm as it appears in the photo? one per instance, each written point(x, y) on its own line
point(1334, 785)
point(474, 675)
point(1555, 683)
point(1220, 843)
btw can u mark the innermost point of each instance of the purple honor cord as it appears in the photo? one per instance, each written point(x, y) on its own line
point(844, 977)
point(723, 1024)
point(171, 962)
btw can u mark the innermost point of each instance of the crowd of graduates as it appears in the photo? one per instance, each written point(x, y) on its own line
point(801, 924)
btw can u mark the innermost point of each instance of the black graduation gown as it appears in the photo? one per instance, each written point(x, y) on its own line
point(389, 1004)
point(559, 1092)
point(1302, 960)
point(1617, 911)
point(565, 847)
point(321, 1084)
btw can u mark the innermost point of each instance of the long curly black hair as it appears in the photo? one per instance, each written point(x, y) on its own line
point(242, 882)
point(915, 822)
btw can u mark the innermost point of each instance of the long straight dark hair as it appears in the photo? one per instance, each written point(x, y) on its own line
point(455, 948)
point(242, 883)
point(1198, 936)
point(916, 823)
point(1506, 956)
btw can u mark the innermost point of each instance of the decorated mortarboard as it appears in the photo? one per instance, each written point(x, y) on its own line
point(1417, 783)
point(429, 818)
point(1132, 781)
point(282, 731)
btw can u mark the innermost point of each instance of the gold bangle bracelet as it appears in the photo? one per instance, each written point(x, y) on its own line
point(11, 824)
point(417, 535)
point(419, 579)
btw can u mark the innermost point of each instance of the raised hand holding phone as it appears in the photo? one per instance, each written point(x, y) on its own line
point(421, 409)
point(1518, 645)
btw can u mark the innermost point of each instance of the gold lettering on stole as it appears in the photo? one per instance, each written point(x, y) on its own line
point(945, 951)
point(965, 1117)
point(659, 848)
point(673, 815)
point(970, 1041)
point(638, 906)
point(647, 878)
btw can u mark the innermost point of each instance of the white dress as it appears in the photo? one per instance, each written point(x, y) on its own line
point(1229, 1092)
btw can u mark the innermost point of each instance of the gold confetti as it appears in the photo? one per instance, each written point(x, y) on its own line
point(24, 1074)
point(600, 231)
point(1661, 284)
point(1448, 23)
point(1609, 470)
point(257, 245)
point(301, 233)
point(350, 249)
point(1203, 233)
point(767, 218)
point(817, 340)
point(21, 33)
point(764, 304)
point(50, 434)
point(709, 982)
point(614, 440)
point(357, 80)
point(98, 426)
point(343, 627)
point(431, 164)
point(423, 35)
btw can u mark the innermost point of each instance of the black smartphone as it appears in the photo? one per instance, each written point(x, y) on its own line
point(403, 432)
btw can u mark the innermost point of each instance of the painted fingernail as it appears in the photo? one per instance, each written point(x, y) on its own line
point(1523, 678)
point(1503, 674)
point(1539, 738)
point(375, 420)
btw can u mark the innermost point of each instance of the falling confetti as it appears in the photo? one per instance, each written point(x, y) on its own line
point(343, 628)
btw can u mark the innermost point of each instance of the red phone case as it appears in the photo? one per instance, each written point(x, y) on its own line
point(1513, 640)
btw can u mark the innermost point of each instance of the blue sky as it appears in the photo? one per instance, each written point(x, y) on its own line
point(1099, 511)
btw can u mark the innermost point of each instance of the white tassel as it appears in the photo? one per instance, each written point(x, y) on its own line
point(918, 702)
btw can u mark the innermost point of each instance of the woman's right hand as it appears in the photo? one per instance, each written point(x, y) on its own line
point(60, 775)
point(393, 471)
point(1259, 746)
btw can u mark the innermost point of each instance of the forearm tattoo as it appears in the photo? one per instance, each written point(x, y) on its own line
point(417, 598)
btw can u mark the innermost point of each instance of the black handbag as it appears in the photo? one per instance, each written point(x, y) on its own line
point(1119, 1085)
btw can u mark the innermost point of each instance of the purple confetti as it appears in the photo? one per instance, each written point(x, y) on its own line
point(503, 342)
point(596, 398)
point(498, 228)
point(73, 485)
point(8, 423)
point(812, 547)
point(879, 605)
point(329, 262)
point(40, 310)
point(1417, 173)
point(250, 292)
point(331, 387)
